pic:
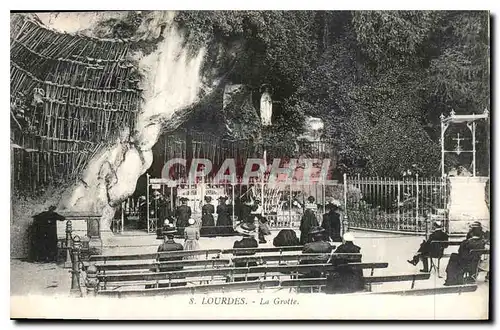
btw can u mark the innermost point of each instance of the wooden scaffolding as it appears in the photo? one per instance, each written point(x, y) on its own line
point(69, 94)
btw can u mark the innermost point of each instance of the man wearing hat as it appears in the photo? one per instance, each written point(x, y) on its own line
point(167, 246)
point(248, 231)
point(331, 222)
point(431, 250)
point(477, 224)
point(345, 279)
point(183, 213)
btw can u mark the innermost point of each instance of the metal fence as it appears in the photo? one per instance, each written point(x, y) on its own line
point(367, 203)
point(401, 205)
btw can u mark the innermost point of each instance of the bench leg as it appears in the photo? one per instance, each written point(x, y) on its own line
point(413, 283)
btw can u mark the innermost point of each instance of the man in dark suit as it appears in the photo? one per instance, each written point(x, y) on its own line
point(183, 213)
point(44, 242)
point(170, 245)
point(483, 234)
point(428, 249)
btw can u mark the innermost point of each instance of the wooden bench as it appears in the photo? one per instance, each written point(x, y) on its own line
point(225, 274)
point(206, 288)
point(323, 257)
point(434, 291)
point(369, 280)
point(154, 266)
point(215, 253)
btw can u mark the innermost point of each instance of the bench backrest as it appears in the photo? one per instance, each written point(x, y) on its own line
point(228, 272)
point(208, 252)
point(198, 289)
point(356, 257)
point(434, 291)
point(156, 265)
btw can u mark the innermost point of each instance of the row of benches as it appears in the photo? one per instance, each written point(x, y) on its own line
point(116, 275)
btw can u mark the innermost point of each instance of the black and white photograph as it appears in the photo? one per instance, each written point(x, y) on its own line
point(250, 164)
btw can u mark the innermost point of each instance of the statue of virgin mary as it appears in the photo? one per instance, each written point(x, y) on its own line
point(266, 108)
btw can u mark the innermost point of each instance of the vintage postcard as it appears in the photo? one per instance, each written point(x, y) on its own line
point(250, 165)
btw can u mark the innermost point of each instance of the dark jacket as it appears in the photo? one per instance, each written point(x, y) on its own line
point(286, 237)
point(307, 222)
point(464, 261)
point(44, 236)
point(245, 243)
point(434, 250)
point(183, 213)
point(345, 279)
point(170, 245)
point(223, 217)
point(207, 215)
point(331, 224)
point(316, 247)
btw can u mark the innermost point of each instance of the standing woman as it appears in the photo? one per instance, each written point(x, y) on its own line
point(191, 236)
point(207, 218)
point(224, 222)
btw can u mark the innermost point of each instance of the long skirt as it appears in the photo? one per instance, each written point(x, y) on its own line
point(207, 225)
point(191, 245)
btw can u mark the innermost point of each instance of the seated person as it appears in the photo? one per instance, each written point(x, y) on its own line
point(345, 279)
point(248, 230)
point(286, 237)
point(317, 245)
point(485, 235)
point(465, 261)
point(428, 249)
point(169, 245)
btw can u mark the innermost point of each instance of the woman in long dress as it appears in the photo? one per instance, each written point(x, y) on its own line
point(224, 222)
point(207, 218)
point(191, 236)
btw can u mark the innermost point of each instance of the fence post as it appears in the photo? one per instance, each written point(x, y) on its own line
point(69, 230)
point(75, 271)
point(399, 203)
point(345, 222)
point(147, 201)
point(290, 205)
point(416, 203)
point(91, 281)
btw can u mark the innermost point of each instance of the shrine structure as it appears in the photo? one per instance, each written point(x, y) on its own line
point(467, 194)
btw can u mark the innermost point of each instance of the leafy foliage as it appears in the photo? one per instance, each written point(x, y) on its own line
point(378, 79)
